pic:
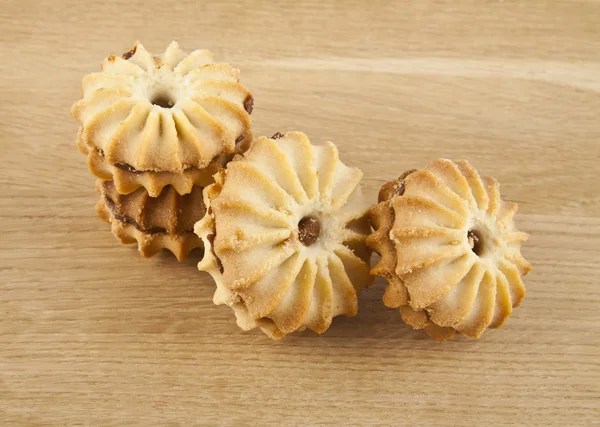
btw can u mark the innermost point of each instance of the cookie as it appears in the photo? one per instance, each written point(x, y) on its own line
point(285, 236)
point(154, 223)
point(450, 250)
point(150, 121)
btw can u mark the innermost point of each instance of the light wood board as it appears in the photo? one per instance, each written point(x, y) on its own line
point(93, 334)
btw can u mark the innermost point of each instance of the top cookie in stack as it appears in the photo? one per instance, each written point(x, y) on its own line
point(172, 119)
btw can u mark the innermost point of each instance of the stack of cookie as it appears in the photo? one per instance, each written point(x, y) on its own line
point(155, 129)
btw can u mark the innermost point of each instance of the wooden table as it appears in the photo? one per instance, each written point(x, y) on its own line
point(93, 334)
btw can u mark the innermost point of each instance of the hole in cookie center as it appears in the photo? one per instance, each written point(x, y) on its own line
point(476, 242)
point(309, 230)
point(163, 99)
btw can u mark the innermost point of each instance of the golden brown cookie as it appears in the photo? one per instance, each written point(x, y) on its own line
point(154, 223)
point(450, 250)
point(285, 236)
point(171, 119)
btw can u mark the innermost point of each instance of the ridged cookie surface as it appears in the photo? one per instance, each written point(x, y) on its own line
point(169, 113)
point(285, 236)
point(449, 249)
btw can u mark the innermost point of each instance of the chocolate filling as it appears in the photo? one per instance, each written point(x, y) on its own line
point(127, 167)
point(249, 104)
point(277, 135)
point(128, 220)
point(394, 188)
point(129, 53)
point(211, 239)
point(110, 204)
point(401, 179)
point(309, 230)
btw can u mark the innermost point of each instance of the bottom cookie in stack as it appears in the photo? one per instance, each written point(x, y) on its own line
point(155, 223)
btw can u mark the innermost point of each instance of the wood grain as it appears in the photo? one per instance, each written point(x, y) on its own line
point(92, 334)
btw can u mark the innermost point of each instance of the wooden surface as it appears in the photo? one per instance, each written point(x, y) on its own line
point(92, 334)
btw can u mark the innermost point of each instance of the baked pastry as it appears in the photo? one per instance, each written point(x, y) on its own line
point(285, 236)
point(152, 121)
point(128, 180)
point(450, 250)
point(155, 223)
